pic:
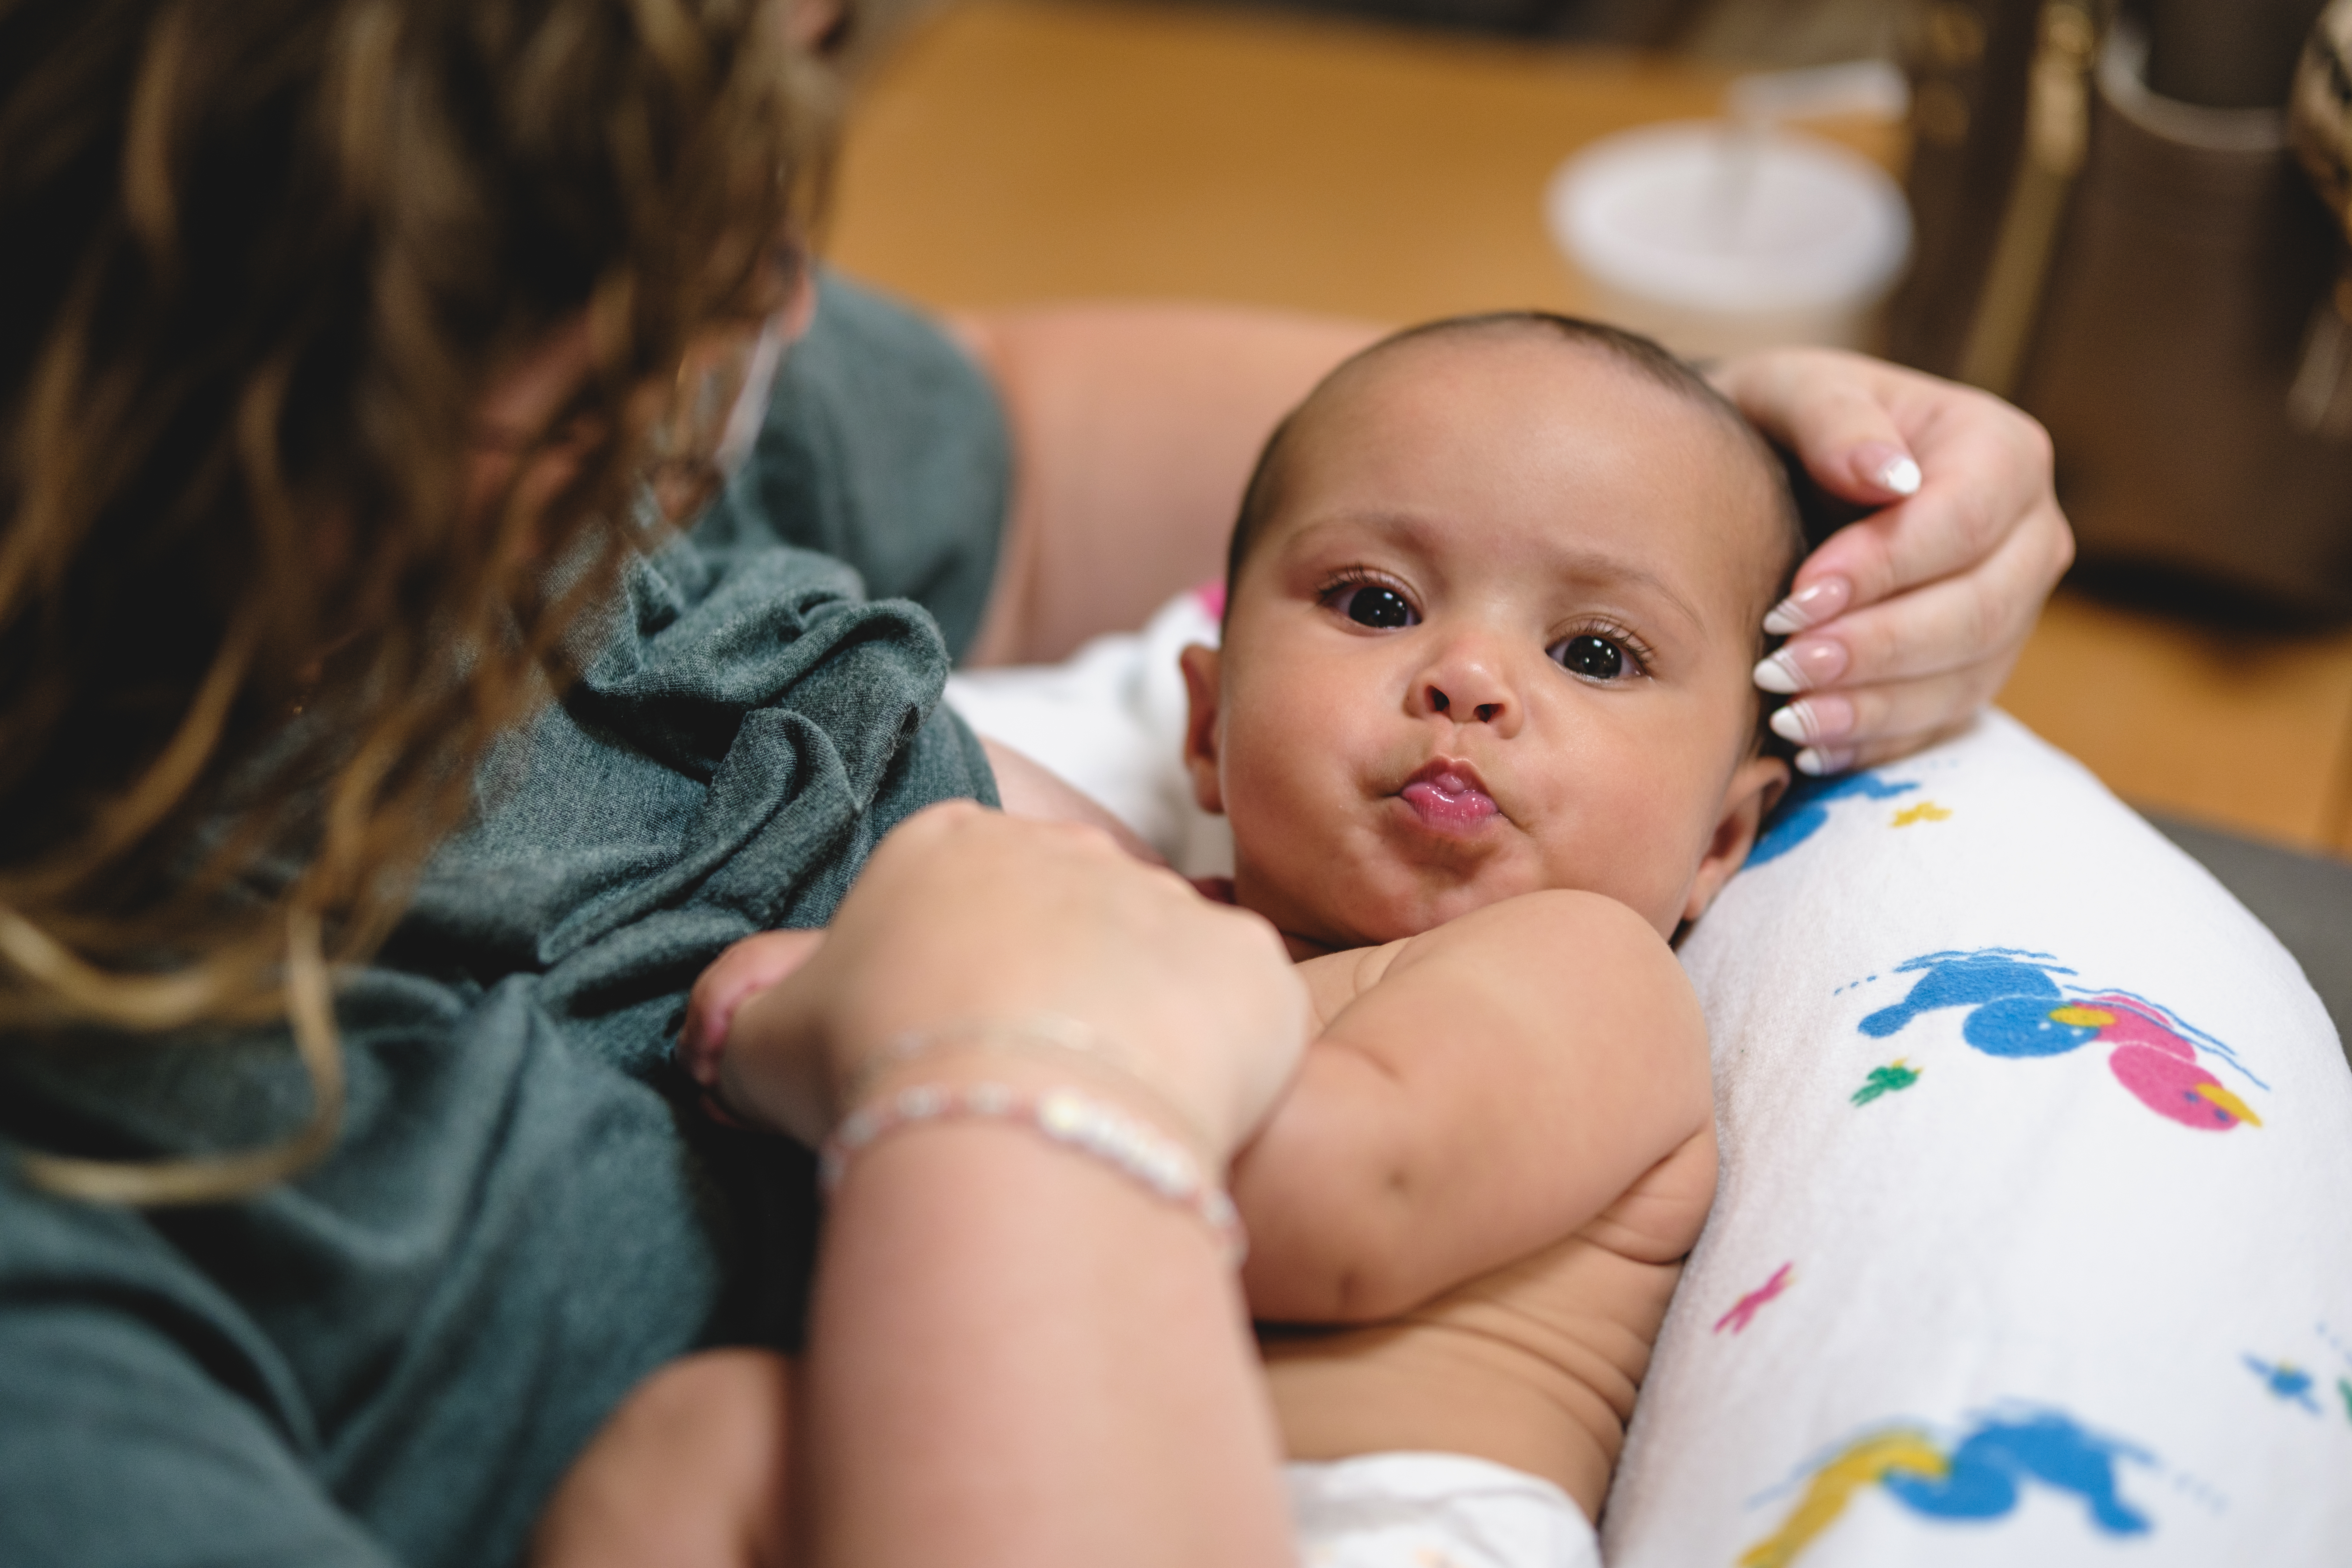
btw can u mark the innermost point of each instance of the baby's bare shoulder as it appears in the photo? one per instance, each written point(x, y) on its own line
point(1584, 951)
point(1336, 979)
point(1558, 924)
point(1578, 974)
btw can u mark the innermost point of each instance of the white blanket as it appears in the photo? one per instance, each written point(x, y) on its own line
point(1111, 721)
point(2033, 1243)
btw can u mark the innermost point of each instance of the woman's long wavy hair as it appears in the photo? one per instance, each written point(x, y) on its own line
point(262, 260)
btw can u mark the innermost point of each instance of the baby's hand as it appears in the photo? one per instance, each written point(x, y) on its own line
point(734, 977)
point(690, 1472)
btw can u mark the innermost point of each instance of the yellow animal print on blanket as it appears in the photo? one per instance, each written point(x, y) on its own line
point(1833, 1485)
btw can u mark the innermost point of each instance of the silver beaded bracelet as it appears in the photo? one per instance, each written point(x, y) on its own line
point(1077, 1121)
point(1030, 1034)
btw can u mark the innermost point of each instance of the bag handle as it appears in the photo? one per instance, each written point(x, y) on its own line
point(2057, 133)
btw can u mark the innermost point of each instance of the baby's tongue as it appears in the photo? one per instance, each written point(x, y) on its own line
point(1448, 800)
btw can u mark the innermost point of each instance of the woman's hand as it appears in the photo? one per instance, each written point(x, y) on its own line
point(1013, 1356)
point(1905, 623)
point(964, 913)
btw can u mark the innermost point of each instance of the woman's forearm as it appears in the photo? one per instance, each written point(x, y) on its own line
point(1019, 1357)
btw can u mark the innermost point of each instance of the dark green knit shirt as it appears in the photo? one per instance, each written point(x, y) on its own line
point(395, 1357)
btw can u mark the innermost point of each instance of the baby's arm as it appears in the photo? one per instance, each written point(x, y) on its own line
point(689, 1472)
point(1477, 1091)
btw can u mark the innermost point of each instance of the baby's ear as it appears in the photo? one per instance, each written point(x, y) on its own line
point(1754, 788)
point(1201, 664)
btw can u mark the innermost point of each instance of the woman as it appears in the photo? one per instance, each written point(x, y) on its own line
point(337, 336)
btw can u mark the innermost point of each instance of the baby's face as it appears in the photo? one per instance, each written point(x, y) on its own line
point(1495, 639)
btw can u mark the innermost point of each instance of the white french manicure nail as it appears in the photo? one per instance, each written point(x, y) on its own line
point(1900, 475)
point(1778, 672)
point(1816, 761)
point(1803, 666)
point(1793, 723)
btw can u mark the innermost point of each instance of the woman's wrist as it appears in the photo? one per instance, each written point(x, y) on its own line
point(1118, 1137)
point(1065, 1050)
point(984, 1291)
point(1049, 1078)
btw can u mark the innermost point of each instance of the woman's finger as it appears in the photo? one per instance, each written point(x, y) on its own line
point(1873, 752)
point(1827, 407)
point(1985, 474)
point(1980, 617)
point(1988, 487)
point(1836, 729)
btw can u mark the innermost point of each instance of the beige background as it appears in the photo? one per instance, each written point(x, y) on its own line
point(1011, 151)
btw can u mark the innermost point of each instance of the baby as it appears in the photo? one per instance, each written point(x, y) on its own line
point(1482, 724)
point(1483, 727)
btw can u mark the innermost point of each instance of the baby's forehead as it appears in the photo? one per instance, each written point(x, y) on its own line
point(1409, 385)
point(1412, 358)
point(1413, 382)
point(1467, 343)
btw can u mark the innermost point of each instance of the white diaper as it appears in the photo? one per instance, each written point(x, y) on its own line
point(1434, 1510)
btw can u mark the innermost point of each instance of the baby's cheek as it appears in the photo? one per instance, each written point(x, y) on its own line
point(1646, 859)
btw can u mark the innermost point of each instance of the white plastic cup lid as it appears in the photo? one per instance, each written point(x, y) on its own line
point(1720, 217)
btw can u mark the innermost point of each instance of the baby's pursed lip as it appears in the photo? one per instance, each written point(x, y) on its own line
point(1449, 796)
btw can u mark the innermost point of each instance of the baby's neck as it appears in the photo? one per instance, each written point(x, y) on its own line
point(1302, 948)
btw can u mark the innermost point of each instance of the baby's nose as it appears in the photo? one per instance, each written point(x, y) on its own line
point(1440, 702)
point(1469, 679)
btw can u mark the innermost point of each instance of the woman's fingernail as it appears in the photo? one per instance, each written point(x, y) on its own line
point(1890, 467)
point(1816, 761)
point(1801, 667)
point(1810, 721)
point(1809, 606)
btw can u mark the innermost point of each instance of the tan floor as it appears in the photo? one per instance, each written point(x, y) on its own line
point(1011, 151)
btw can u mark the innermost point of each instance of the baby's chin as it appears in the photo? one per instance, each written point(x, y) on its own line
point(1342, 916)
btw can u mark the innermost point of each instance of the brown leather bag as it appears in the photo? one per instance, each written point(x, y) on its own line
point(2155, 279)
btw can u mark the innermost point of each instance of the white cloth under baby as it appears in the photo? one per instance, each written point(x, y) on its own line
point(1110, 720)
point(1433, 1510)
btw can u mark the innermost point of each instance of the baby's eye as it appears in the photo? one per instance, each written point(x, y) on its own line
point(1594, 656)
point(1371, 605)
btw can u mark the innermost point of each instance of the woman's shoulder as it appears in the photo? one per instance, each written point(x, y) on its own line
point(883, 446)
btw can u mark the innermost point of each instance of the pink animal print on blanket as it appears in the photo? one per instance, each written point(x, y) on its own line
point(1743, 1311)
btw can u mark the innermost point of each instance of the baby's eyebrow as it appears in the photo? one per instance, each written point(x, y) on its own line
point(1590, 566)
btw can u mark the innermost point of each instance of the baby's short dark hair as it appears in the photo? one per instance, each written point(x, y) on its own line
point(1631, 350)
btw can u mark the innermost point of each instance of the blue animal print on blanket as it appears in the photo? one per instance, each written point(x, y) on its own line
point(1807, 807)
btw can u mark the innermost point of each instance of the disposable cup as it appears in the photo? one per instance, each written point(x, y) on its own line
point(1716, 237)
